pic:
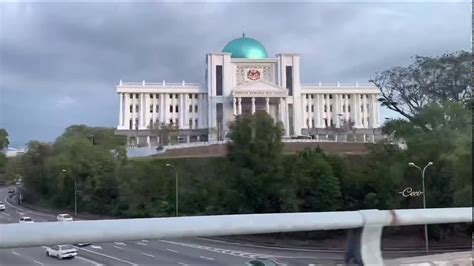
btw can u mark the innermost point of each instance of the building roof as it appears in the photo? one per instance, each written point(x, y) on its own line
point(245, 48)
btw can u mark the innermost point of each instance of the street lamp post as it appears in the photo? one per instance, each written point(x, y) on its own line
point(75, 192)
point(424, 197)
point(176, 173)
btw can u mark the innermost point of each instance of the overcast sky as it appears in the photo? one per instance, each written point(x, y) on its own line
point(60, 63)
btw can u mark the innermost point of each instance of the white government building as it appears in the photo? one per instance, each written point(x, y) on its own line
point(241, 80)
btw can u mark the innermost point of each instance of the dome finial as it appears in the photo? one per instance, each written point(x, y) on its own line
point(243, 34)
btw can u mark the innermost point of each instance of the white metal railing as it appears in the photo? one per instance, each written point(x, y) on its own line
point(371, 222)
point(164, 84)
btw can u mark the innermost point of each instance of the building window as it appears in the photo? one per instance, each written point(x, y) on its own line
point(343, 108)
point(326, 122)
point(131, 96)
point(349, 108)
point(176, 109)
point(367, 96)
point(219, 80)
point(330, 96)
point(157, 96)
point(190, 123)
point(307, 123)
point(312, 123)
point(324, 96)
point(131, 108)
point(325, 108)
point(307, 108)
point(196, 125)
point(362, 108)
point(136, 96)
point(171, 108)
point(312, 96)
point(176, 96)
point(196, 108)
point(330, 108)
point(289, 80)
point(312, 108)
point(307, 96)
point(332, 123)
point(151, 96)
point(130, 123)
point(343, 96)
point(348, 96)
point(151, 123)
point(151, 108)
point(171, 121)
point(361, 96)
point(136, 123)
point(195, 96)
point(190, 108)
point(157, 108)
point(136, 108)
point(190, 96)
point(171, 96)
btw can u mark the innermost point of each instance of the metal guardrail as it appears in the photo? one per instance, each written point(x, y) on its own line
point(364, 247)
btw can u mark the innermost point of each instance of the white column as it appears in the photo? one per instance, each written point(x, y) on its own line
point(181, 110)
point(240, 105)
point(287, 119)
point(121, 111)
point(142, 111)
point(164, 108)
point(365, 113)
point(235, 105)
point(321, 108)
point(337, 103)
point(317, 114)
point(267, 102)
point(253, 105)
point(280, 110)
point(358, 111)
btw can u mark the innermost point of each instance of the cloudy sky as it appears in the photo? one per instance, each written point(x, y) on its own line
point(60, 63)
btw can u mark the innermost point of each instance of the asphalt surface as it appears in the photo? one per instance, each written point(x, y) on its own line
point(183, 251)
point(186, 251)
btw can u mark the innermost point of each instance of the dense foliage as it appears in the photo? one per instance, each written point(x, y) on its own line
point(256, 177)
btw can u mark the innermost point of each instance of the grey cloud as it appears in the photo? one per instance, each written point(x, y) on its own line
point(50, 52)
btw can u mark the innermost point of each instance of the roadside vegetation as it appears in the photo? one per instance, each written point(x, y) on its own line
point(256, 177)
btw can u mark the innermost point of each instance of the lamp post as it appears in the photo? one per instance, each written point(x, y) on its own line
point(75, 192)
point(176, 173)
point(424, 196)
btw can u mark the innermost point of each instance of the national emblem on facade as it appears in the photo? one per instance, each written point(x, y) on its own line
point(253, 74)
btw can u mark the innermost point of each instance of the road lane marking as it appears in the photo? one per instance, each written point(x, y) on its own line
point(18, 254)
point(140, 243)
point(110, 257)
point(96, 247)
point(171, 250)
point(206, 258)
point(38, 262)
point(149, 255)
point(120, 243)
point(182, 263)
point(117, 247)
point(144, 240)
point(90, 261)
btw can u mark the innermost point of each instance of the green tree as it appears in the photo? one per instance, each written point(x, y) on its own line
point(3, 138)
point(255, 164)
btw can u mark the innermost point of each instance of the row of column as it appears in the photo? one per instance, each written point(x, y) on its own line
point(163, 115)
point(338, 114)
point(238, 105)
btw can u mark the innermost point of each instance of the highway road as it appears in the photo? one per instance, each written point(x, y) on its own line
point(184, 251)
point(188, 251)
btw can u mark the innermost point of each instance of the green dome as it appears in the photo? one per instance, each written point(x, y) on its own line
point(245, 48)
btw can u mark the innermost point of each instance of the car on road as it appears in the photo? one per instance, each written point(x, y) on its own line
point(2, 206)
point(11, 190)
point(25, 220)
point(61, 251)
point(64, 217)
point(262, 262)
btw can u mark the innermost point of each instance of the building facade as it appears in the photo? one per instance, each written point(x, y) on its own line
point(241, 80)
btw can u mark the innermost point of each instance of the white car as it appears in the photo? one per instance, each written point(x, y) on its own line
point(26, 220)
point(61, 251)
point(64, 217)
point(2, 206)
